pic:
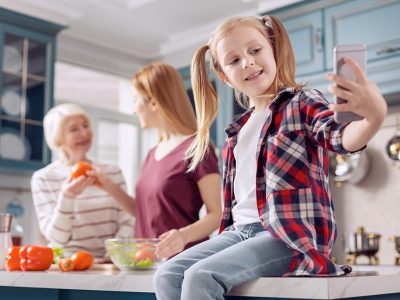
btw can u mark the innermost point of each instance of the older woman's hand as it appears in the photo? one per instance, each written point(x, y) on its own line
point(73, 187)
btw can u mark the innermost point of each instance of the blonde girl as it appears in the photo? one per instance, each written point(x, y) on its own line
point(278, 216)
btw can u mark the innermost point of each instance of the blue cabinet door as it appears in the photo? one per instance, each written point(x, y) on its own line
point(375, 23)
point(305, 33)
point(27, 55)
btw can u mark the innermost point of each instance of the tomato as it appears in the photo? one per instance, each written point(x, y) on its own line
point(145, 254)
point(80, 169)
point(35, 258)
point(82, 260)
point(13, 259)
point(66, 264)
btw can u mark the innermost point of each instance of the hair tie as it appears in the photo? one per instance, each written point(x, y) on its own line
point(267, 21)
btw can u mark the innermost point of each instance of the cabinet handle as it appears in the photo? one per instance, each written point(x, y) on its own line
point(387, 50)
point(318, 39)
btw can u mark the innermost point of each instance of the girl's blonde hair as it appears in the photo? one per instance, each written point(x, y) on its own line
point(54, 124)
point(161, 83)
point(204, 94)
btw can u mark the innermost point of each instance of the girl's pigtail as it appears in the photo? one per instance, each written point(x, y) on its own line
point(206, 104)
point(285, 61)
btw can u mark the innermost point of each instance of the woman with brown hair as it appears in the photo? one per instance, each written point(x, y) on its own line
point(168, 195)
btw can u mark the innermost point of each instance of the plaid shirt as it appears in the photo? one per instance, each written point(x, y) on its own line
point(293, 197)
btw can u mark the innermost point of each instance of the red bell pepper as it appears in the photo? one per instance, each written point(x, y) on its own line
point(13, 259)
point(35, 258)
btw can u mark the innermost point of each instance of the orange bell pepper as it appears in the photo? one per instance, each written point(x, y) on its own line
point(13, 259)
point(35, 258)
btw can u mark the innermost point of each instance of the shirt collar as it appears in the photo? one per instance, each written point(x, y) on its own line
point(234, 128)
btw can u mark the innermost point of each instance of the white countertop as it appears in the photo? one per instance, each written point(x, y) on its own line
point(364, 281)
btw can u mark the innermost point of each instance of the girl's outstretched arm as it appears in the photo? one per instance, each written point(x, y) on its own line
point(363, 98)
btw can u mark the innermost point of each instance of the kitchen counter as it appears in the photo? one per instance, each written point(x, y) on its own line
point(364, 281)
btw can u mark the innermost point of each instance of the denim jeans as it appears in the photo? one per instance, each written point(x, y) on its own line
point(212, 268)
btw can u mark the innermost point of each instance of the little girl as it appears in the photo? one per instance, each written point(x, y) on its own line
point(278, 217)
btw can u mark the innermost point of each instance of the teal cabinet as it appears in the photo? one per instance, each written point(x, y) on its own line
point(27, 55)
point(373, 23)
point(316, 27)
point(306, 35)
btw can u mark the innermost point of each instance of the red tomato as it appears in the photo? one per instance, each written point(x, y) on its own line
point(143, 254)
point(80, 169)
point(13, 259)
point(82, 260)
point(66, 264)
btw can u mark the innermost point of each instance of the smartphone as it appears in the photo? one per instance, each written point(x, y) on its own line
point(358, 53)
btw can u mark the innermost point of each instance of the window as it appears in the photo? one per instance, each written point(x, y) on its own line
point(118, 138)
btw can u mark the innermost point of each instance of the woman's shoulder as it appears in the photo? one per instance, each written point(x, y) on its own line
point(309, 96)
point(55, 170)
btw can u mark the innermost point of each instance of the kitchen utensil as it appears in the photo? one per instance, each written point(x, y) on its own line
point(393, 145)
point(363, 243)
point(12, 146)
point(11, 103)
point(133, 254)
point(5, 237)
point(350, 168)
point(12, 59)
point(396, 240)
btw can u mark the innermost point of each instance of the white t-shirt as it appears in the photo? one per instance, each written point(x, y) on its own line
point(245, 211)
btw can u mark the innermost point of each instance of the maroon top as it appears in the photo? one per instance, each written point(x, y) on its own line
point(166, 196)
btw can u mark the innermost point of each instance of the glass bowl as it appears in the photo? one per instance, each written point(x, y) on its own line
point(133, 254)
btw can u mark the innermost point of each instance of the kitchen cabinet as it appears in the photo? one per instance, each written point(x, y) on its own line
point(316, 27)
point(27, 54)
point(306, 35)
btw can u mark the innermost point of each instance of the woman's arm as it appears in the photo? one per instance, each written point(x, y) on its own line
point(114, 190)
point(363, 98)
point(175, 240)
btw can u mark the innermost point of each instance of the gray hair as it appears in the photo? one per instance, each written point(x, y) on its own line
point(54, 122)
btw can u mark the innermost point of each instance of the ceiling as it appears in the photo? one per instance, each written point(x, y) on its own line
point(133, 32)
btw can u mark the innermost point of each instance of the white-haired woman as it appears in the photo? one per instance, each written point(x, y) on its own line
point(78, 214)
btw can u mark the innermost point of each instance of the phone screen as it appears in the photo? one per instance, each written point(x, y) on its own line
point(358, 54)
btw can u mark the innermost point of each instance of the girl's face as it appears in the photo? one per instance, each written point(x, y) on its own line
point(247, 61)
point(78, 135)
point(143, 109)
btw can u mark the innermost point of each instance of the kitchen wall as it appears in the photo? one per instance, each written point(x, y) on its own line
point(374, 202)
point(18, 186)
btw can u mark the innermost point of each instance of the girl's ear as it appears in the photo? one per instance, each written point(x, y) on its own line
point(154, 106)
point(225, 79)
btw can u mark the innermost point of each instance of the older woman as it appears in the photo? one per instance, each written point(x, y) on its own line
point(81, 213)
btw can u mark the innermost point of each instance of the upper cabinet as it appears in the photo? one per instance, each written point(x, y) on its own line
point(373, 23)
point(27, 52)
point(306, 33)
point(316, 27)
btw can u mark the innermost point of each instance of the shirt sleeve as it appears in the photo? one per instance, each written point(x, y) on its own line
point(54, 211)
point(320, 123)
point(208, 165)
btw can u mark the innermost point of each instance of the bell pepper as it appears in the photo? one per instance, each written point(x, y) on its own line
point(13, 259)
point(35, 258)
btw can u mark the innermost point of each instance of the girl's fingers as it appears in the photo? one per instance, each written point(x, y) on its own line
point(360, 74)
point(340, 107)
point(342, 82)
point(341, 93)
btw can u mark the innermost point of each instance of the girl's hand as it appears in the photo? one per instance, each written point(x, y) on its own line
point(363, 96)
point(101, 180)
point(73, 187)
point(172, 242)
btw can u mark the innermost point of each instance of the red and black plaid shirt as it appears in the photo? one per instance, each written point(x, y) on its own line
point(293, 197)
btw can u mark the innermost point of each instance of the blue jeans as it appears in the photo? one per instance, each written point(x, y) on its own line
point(212, 268)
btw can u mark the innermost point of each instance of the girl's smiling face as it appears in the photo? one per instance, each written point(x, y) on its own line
point(247, 61)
